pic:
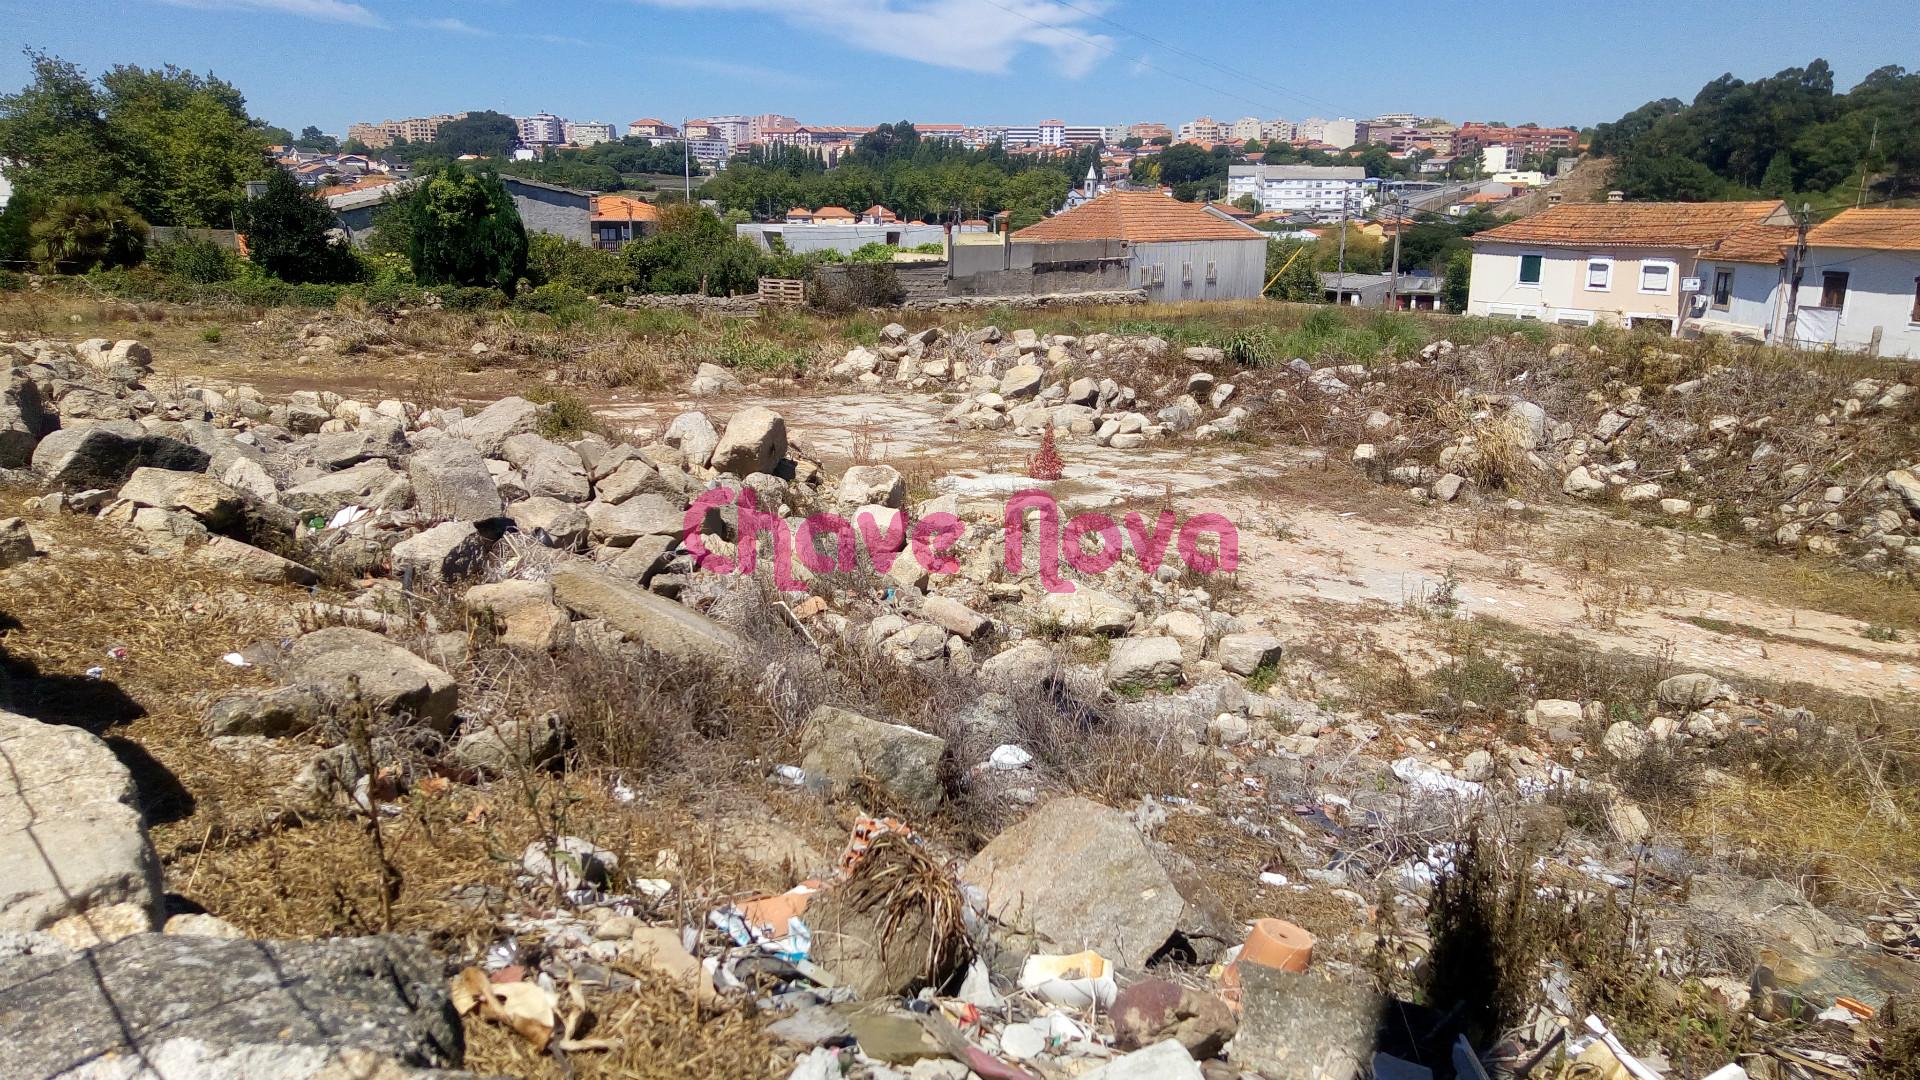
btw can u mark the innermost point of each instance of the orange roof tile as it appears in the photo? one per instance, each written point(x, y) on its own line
point(649, 122)
point(363, 184)
point(1139, 217)
point(1671, 225)
point(623, 208)
point(799, 211)
point(833, 211)
point(1873, 230)
point(1760, 243)
point(876, 210)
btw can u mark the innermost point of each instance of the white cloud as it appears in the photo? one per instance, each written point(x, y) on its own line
point(451, 26)
point(340, 11)
point(971, 35)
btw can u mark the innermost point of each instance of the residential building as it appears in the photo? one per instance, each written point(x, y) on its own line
point(416, 129)
point(878, 215)
point(1523, 140)
point(1344, 132)
point(541, 128)
point(1578, 264)
point(1204, 129)
point(834, 215)
point(844, 236)
point(1859, 284)
point(1406, 138)
point(1324, 191)
point(1177, 250)
point(618, 219)
point(1410, 292)
point(1247, 127)
point(1497, 159)
point(1311, 130)
point(1399, 119)
point(1280, 130)
point(1741, 279)
point(649, 128)
point(759, 126)
point(589, 133)
point(732, 130)
point(707, 151)
point(1148, 132)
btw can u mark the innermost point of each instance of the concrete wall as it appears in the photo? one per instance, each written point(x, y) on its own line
point(557, 213)
point(1562, 294)
point(1880, 297)
point(845, 239)
point(1027, 269)
point(1201, 269)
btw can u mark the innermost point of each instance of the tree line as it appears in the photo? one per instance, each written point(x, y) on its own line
point(1789, 135)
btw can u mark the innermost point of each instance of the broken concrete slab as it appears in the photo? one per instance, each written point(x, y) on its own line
point(653, 621)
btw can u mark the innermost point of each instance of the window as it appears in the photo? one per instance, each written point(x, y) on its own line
point(1213, 272)
point(1567, 317)
point(1916, 300)
point(1833, 289)
point(1599, 273)
point(1530, 269)
point(1722, 287)
point(1656, 276)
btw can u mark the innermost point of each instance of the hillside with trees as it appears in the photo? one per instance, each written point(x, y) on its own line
point(1786, 136)
point(915, 177)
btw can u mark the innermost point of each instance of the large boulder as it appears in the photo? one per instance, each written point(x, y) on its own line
point(101, 455)
point(241, 559)
point(522, 613)
point(880, 485)
point(213, 502)
point(1026, 666)
point(391, 680)
point(642, 515)
point(846, 750)
point(491, 427)
point(692, 434)
point(175, 1005)
point(16, 542)
point(448, 551)
point(551, 470)
point(653, 621)
point(382, 439)
point(371, 484)
point(755, 441)
point(509, 746)
point(554, 523)
point(1691, 690)
point(71, 835)
point(1078, 875)
point(1089, 611)
point(1306, 1026)
point(1244, 654)
point(1144, 663)
point(451, 480)
point(24, 420)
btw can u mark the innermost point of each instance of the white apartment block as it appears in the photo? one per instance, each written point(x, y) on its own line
point(733, 130)
point(1326, 192)
point(589, 133)
point(1341, 133)
point(1283, 130)
point(1203, 129)
point(1397, 119)
point(541, 128)
point(1247, 127)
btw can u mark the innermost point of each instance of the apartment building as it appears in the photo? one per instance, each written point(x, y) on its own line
point(1147, 132)
point(1281, 130)
point(1344, 132)
point(541, 128)
point(1204, 129)
point(589, 133)
point(649, 128)
point(1522, 140)
point(759, 127)
point(416, 129)
point(1325, 192)
point(1247, 127)
point(733, 130)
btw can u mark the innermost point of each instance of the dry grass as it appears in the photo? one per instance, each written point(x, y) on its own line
point(1823, 834)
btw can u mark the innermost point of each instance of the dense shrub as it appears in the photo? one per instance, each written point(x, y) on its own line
point(555, 260)
point(195, 259)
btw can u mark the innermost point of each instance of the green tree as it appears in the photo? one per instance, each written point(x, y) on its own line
point(694, 252)
point(1248, 203)
point(312, 138)
point(54, 134)
point(1290, 268)
point(190, 145)
point(463, 229)
point(486, 133)
point(289, 235)
point(1132, 142)
point(1459, 280)
point(78, 233)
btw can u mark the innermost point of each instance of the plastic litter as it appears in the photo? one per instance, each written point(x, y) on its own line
point(347, 515)
point(1416, 773)
point(237, 660)
point(1074, 981)
point(1276, 880)
point(790, 774)
point(96, 672)
point(1007, 757)
point(118, 652)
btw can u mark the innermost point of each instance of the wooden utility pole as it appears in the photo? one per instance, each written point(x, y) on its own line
point(1796, 265)
point(1399, 225)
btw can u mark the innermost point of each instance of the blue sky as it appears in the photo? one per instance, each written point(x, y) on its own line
point(331, 62)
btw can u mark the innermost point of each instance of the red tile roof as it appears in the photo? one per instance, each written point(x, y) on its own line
point(1761, 243)
point(833, 212)
point(623, 208)
point(1139, 217)
point(1873, 230)
point(1668, 225)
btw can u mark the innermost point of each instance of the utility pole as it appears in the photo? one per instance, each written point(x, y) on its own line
point(1796, 260)
point(1872, 141)
point(1399, 226)
point(686, 158)
point(1340, 278)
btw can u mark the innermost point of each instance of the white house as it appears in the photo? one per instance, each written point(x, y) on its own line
point(1578, 264)
point(1324, 191)
point(1860, 284)
point(1175, 250)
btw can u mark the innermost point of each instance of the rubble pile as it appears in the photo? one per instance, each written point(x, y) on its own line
point(1078, 940)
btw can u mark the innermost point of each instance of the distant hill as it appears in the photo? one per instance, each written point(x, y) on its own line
point(1787, 136)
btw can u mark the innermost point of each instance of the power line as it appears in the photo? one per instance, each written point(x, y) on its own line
point(1084, 40)
point(1210, 62)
